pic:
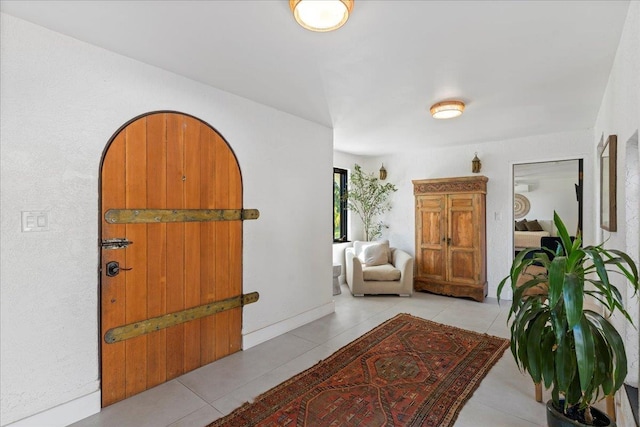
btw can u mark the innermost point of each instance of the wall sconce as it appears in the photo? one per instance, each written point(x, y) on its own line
point(475, 164)
point(383, 173)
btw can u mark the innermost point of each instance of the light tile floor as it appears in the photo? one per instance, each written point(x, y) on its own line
point(504, 398)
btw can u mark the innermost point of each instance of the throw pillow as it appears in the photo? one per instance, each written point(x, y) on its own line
point(359, 247)
point(376, 254)
point(534, 226)
point(521, 225)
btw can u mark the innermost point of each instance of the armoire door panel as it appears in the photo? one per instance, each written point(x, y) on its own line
point(432, 228)
point(431, 232)
point(462, 266)
point(461, 201)
point(461, 221)
point(431, 203)
point(432, 265)
point(462, 229)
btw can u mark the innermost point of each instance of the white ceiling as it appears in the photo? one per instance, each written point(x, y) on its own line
point(522, 67)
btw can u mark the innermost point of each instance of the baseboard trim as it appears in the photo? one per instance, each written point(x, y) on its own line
point(65, 414)
point(261, 335)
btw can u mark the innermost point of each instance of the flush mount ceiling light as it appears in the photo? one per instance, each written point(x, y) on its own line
point(447, 109)
point(321, 15)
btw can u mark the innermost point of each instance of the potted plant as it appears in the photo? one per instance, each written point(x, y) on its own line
point(368, 197)
point(573, 350)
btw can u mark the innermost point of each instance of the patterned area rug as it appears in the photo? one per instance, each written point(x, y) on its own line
point(406, 372)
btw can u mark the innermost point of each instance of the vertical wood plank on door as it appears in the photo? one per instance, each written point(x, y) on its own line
point(156, 247)
point(112, 288)
point(136, 255)
point(223, 288)
point(192, 237)
point(207, 245)
point(175, 243)
point(235, 254)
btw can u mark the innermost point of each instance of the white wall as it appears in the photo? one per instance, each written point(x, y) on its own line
point(547, 195)
point(61, 102)
point(497, 164)
point(620, 115)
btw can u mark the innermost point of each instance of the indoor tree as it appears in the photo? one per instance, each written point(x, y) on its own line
point(368, 197)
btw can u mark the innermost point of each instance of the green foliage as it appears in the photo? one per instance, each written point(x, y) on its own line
point(368, 197)
point(553, 337)
point(336, 210)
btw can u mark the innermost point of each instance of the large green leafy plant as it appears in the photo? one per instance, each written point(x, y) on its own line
point(554, 337)
point(368, 197)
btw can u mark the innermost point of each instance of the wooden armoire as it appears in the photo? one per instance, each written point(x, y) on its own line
point(450, 236)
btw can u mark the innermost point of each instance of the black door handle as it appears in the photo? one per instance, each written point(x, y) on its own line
point(113, 268)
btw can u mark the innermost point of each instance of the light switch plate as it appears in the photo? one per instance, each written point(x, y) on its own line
point(35, 221)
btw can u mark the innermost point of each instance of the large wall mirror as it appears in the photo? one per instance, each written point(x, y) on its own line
point(608, 184)
point(539, 189)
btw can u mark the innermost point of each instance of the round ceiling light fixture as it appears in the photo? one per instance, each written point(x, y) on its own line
point(447, 109)
point(321, 15)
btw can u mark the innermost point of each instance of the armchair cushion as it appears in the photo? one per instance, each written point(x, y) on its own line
point(380, 273)
point(376, 255)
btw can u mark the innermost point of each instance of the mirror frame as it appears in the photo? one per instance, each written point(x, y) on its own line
point(608, 160)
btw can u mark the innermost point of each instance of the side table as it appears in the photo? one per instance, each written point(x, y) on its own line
point(337, 269)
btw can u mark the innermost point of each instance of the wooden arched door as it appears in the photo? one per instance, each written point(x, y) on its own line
point(164, 178)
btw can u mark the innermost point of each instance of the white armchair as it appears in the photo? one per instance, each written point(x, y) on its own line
point(394, 277)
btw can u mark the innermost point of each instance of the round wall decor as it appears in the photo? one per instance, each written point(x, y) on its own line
point(521, 206)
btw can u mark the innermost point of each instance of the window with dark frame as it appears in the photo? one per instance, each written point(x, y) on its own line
point(339, 205)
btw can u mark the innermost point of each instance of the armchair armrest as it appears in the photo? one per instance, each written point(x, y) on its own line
point(353, 266)
point(404, 262)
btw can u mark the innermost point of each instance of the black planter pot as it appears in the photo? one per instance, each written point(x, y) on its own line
point(556, 418)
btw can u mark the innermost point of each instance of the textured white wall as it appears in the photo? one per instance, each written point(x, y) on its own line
point(61, 102)
point(497, 164)
point(620, 115)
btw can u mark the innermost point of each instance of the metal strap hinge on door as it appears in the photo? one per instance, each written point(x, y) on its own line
point(147, 326)
point(138, 216)
point(116, 243)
